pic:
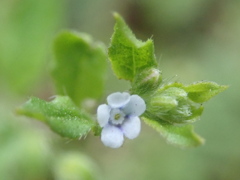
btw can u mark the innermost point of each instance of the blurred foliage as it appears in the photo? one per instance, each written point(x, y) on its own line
point(75, 166)
point(195, 39)
point(27, 28)
point(80, 66)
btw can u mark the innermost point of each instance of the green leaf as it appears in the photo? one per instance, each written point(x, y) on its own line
point(203, 91)
point(61, 115)
point(127, 54)
point(80, 66)
point(182, 136)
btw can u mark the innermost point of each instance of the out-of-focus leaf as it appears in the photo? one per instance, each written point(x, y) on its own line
point(61, 115)
point(127, 54)
point(73, 166)
point(182, 136)
point(203, 91)
point(80, 66)
point(26, 32)
point(25, 153)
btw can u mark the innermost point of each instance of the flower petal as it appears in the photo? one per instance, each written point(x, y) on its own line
point(131, 127)
point(136, 106)
point(117, 100)
point(103, 114)
point(112, 136)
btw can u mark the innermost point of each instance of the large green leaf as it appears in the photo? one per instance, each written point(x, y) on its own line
point(61, 115)
point(80, 66)
point(127, 54)
point(182, 136)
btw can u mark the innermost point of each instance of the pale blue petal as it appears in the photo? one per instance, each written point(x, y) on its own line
point(118, 100)
point(103, 114)
point(135, 107)
point(112, 136)
point(131, 127)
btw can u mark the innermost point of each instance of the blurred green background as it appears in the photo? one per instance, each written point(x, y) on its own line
point(194, 39)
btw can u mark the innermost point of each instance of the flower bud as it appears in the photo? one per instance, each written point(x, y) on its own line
point(163, 103)
point(173, 105)
point(147, 81)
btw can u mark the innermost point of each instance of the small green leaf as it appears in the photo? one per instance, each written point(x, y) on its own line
point(203, 91)
point(80, 66)
point(127, 54)
point(182, 136)
point(61, 115)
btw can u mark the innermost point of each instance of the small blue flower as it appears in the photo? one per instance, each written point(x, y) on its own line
point(120, 118)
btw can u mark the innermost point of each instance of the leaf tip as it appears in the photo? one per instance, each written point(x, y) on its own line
point(223, 87)
point(120, 22)
point(116, 15)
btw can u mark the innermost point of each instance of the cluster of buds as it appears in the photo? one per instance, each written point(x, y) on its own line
point(171, 103)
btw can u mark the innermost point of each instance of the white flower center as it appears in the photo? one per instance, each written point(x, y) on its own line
point(117, 116)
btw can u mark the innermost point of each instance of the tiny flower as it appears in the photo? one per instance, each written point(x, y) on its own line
point(120, 118)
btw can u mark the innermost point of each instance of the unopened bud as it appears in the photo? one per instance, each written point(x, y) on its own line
point(173, 105)
point(147, 81)
point(163, 103)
